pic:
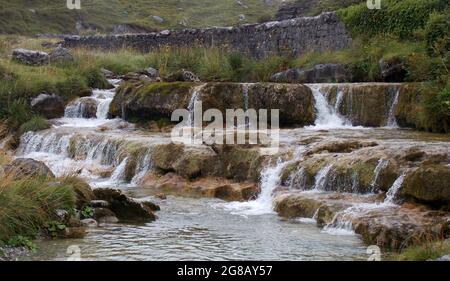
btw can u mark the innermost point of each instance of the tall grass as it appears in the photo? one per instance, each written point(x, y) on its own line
point(27, 204)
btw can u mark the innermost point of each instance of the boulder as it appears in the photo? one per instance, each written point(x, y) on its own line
point(429, 184)
point(48, 105)
point(182, 76)
point(321, 73)
point(103, 215)
point(89, 223)
point(60, 55)
point(158, 19)
point(392, 70)
point(125, 208)
point(151, 72)
point(152, 206)
point(30, 57)
point(28, 167)
point(107, 73)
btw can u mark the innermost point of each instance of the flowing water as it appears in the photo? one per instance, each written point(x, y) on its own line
point(205, 229)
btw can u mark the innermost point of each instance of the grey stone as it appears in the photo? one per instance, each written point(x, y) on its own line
point(286, 38)
point(107, 73)
point(48, 105)
point(90, 223)
point(158, 19)
point(60, 55)
point(30, 57)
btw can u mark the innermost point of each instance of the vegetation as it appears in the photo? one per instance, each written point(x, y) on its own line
point(29, 204)
point(428, 251)
point(49, 16)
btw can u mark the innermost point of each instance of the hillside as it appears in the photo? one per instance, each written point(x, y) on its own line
point(49, 16)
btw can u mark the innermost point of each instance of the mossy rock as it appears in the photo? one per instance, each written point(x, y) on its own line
point(429, 184)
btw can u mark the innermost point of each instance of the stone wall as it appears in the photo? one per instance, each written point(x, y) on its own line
point(288, 37)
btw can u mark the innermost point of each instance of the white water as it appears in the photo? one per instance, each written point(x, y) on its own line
point(119, 173)
point(392, 192)
point(326, 115)
point(270, 179)
point(382, 164)
point(391, 120)
point(321, 178)
point(192, 104)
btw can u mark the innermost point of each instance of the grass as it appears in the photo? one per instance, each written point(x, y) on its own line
point(49, 16)
point(27, 204)
point(428, 251)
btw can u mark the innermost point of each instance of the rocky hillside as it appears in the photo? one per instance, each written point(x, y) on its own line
point(47, 16)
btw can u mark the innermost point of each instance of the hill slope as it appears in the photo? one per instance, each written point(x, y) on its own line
point(50, 16)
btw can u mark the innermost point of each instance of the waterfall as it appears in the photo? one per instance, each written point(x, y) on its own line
point(192, 102)
point(339, 224)
point(80, 108)
point(339, 99)
point(298, 180)
point(327, 117)
point(270, 179)
point(144, 164)
point(391, 120)
point(118, 175)
point(392, 192)
point(321, 178)
point(104, 98)
point(382, 164)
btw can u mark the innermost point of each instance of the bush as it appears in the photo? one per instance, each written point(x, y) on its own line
point(396, 17)
point(36, 123)
point(438, 32)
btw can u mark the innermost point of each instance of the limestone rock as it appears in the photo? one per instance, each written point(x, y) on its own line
point(60, 55)
point(428, 184)
point(30, 57)
point(28, 167)
point(125, 208)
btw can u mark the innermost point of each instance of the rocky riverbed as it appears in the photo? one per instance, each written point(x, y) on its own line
point(333, 187)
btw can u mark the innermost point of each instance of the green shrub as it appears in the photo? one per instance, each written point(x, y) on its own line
point(36, 123)
point(438, 32)
point(95, 79)
point(22, 241)
point(18, 113)
point(398, 17)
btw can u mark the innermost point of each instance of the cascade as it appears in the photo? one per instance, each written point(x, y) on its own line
point(391, 120)
point(327, 116)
